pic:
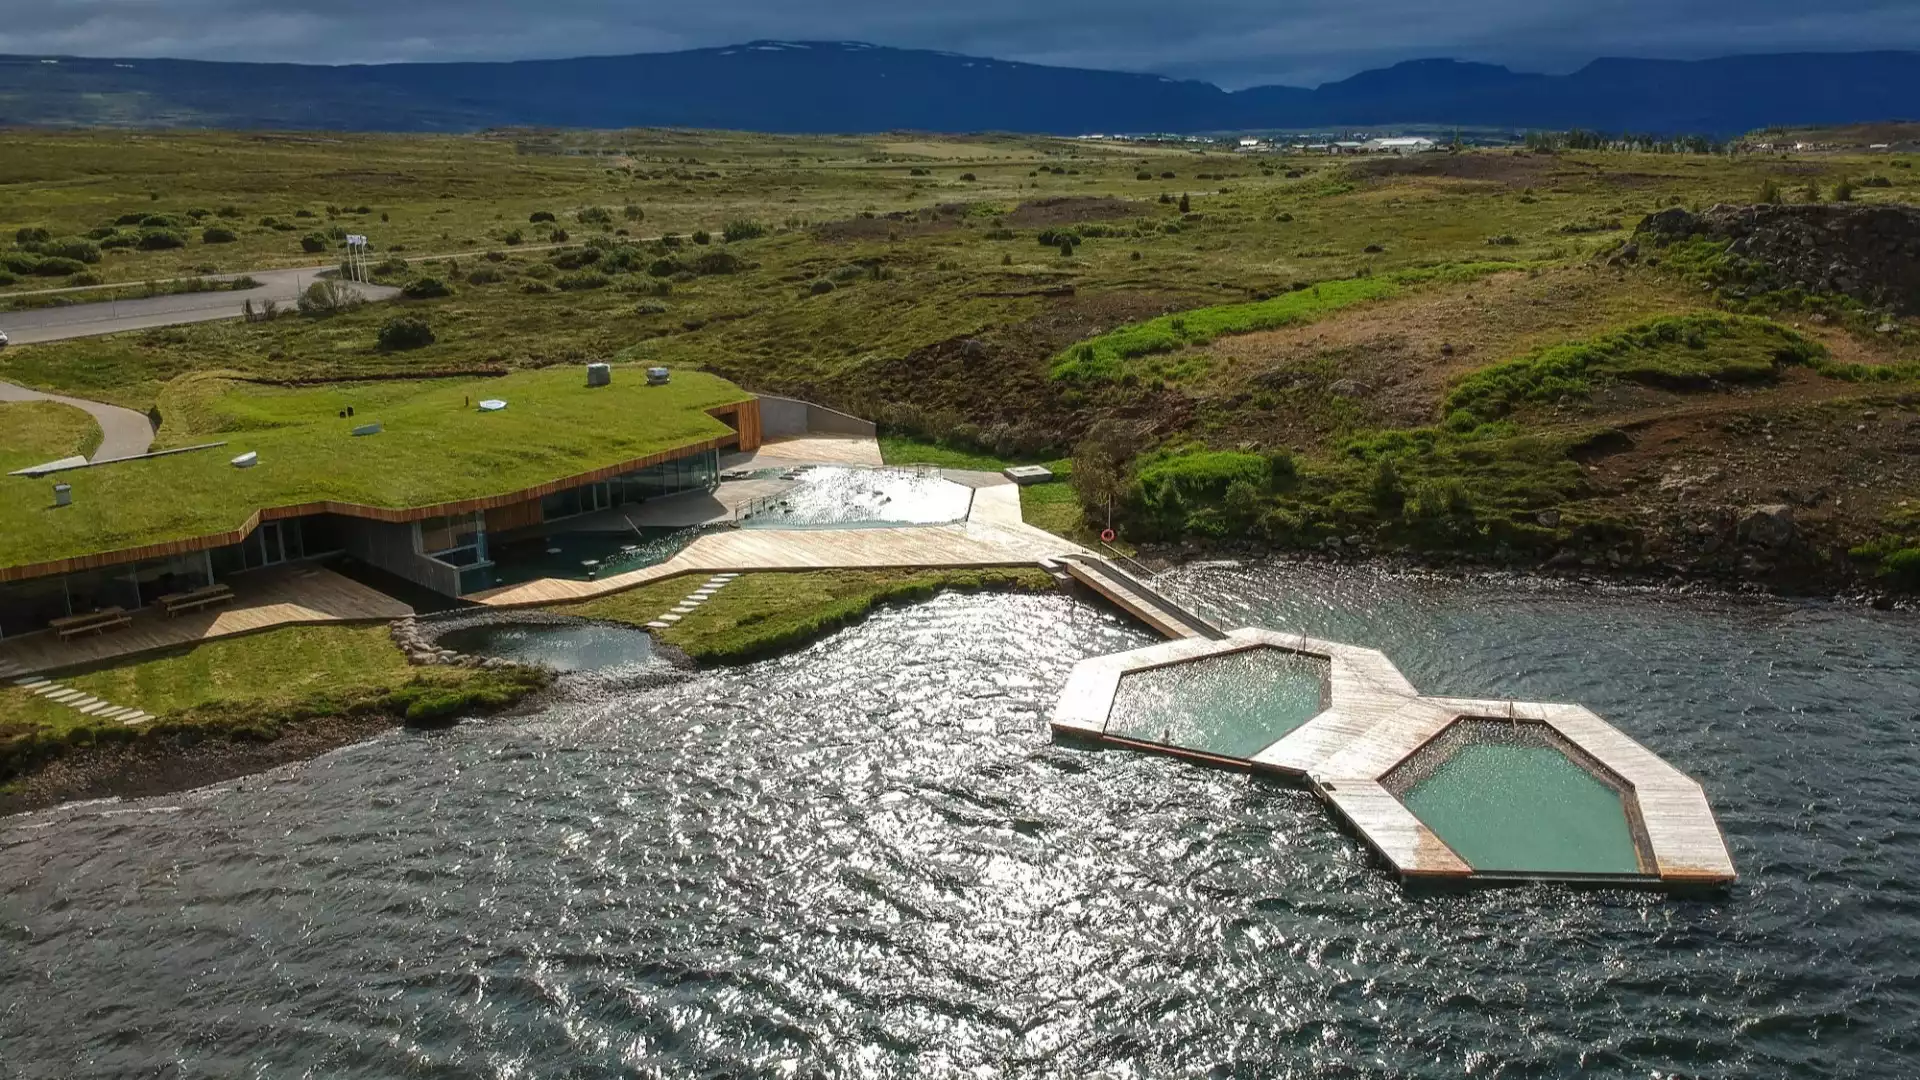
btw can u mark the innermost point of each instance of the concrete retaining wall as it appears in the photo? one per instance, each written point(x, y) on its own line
point(788, 417)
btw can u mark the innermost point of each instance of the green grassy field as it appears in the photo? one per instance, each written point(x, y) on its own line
point(251, 687)
point(435, 447)
point(41, 431)
point(996, 299)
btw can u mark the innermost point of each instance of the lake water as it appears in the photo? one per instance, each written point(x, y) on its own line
point(562, 647)
point(867, 859)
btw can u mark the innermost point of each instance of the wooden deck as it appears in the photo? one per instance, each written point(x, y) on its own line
point(1376, 720)
point(263, 600)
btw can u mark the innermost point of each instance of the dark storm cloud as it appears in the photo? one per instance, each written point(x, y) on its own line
point(1232, 42)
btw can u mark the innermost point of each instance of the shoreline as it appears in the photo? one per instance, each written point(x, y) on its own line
point(175, 762)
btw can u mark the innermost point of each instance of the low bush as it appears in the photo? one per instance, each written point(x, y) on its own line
point(582, 281)
point(539, 216)
point(313, 243)
point(31, 234)
point(405, 332)
point(736, 231)
point(218, 234)
point(159, 239)
point(425, 288)
point(327, 297)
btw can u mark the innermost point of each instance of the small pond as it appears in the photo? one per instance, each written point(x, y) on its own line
point(565, 647)
point(1234, 705)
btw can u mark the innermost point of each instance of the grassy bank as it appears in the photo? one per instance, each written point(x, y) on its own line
point(758, 615)
point(40, 431)
point(255, 688)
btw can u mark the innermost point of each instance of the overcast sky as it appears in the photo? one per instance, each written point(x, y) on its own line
point(1234, 43)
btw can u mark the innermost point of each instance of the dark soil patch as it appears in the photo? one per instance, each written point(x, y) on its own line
point(999, 377)
point(159, 766)
point(926, 221)
point(1072, 210)
point(1517, 170)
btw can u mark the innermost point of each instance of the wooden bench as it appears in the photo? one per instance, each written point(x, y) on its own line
point(97, 622)
point(205, 596)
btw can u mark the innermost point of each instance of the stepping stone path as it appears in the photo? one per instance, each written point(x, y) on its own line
point(86, 704)
point(692, 601)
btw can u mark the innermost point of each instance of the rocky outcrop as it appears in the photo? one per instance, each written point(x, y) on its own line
point(1870, 253)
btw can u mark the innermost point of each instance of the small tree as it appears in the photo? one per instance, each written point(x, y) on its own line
point(328, 296)
point(313, 243)
point(1389, 493)
point(1100, 474)
point(405, 332)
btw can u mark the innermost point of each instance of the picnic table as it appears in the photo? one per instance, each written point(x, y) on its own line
point(192, 600)
point(98, 622)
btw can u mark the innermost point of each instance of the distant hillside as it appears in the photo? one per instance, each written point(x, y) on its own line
point(847, 86)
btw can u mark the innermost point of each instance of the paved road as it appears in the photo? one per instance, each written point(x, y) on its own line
point(112, 317)
point(124, 432)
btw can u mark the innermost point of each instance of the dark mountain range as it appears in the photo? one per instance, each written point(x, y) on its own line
point(847, 86)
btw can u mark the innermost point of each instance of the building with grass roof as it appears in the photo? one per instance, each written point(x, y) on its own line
point(412, 476)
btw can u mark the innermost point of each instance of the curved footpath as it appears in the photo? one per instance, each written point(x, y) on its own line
point(115, 316)
point(123, 432)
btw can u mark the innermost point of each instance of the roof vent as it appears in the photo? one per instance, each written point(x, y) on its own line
point(492, 404)
point(369, 429)
point(63, 494)
point(247, 460)
point(599, 374)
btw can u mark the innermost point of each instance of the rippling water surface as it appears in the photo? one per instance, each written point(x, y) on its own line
point(867, 859)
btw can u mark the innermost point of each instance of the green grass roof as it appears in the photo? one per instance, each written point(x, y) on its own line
point(436, 448)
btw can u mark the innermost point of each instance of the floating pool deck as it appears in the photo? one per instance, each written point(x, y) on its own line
point(1376, 727)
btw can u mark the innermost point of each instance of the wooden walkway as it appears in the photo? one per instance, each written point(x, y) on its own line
point(262, 600)
point(1138, 599)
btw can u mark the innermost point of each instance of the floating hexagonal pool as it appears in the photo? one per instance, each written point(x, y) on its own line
point(1232, 704)
point(1514, 798)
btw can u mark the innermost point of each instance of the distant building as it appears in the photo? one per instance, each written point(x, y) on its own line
point(1410, 144)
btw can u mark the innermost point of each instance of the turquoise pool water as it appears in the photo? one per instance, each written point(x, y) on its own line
point(839, 496)
point(1234, 705)
point(1522, 805)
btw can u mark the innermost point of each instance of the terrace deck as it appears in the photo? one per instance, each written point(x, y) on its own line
point(1375, 721)
point(262, 600)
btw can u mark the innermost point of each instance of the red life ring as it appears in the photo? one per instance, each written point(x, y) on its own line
point(1106, 536)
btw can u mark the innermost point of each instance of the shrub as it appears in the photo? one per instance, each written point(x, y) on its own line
point(594, 215)
point(218, 234)
point(6, 278)
point(313, 243)
point(969, 177)
point(1843, 190)
point(717, 262)
point(539, 216)
point(129, 219)
point(1769, 192)
point(702, 236)
point(74, 248)
point(535, 287)
point(663, 268)
point(31, 235)
point(118, 240)
point(152, 239)
point(327, 297)
point(425, 288)
point(820, 287)
point(1388, 492)
point(649, 307)
point(583, 280)
point(736, 231)
point(561, 236)
point(576, 258)
point(159, 221)
point(85, 278)
point(395, 266)
point(634, 213)
point(405, 332)
point(1503, 240)
point(55, 266)
point(486, 275)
